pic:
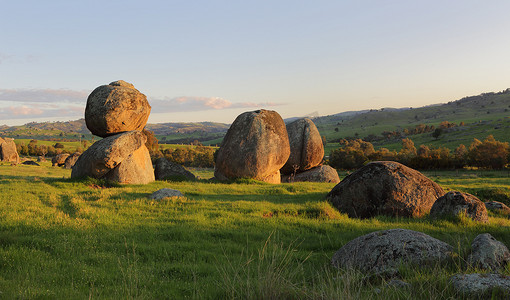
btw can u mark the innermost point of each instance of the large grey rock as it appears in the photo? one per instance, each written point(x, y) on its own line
point(256, 146)
point(384, 251)
point(165, 169)
point(165, 193)
point(385, 188)
point(317, 174)
point(454, 203)
point(306, 148)
point(477, 284)
point(71, 160)
point(497, 207)
point(104, 159)
point(488, 253)
point(115, 108)
point(59, 159)
point(8, 151)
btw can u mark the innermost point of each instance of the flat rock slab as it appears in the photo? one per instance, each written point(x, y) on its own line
point(472, 284)
point(165, 193)
point(384, 251)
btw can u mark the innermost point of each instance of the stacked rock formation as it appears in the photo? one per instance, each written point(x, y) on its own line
point(306, 154)
point(8, 150)
point(117, 112)
point(256, 146)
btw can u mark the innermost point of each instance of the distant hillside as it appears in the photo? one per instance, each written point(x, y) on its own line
point(481, 115)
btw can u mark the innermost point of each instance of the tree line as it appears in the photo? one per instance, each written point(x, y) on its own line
point(488, 154)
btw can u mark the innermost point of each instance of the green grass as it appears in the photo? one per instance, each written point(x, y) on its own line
point(63, 238)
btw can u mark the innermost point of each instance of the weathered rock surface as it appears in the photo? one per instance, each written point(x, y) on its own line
point(165, 169)
point(256, 146)
point(107, 156)
point(59, 159)
point(306, 148)
point(387, 188)
point(488, 253)
point(8, 151)
point(497, 207)
point(382, 252)
point(475, 284)
point(317, 174)
point(453, 204)
point(165, 193)
point(115, 108)
point(71, 160)
point(135, 169)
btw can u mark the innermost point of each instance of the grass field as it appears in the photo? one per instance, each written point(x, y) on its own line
point(74, 239)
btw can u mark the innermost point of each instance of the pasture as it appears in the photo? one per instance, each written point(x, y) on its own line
point(72, 239)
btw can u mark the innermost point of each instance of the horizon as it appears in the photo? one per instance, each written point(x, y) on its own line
point(210, 61)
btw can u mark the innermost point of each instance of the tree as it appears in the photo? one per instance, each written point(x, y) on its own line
point(490, 153)
point(436, 133)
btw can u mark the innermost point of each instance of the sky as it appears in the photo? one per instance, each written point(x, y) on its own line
point(212, 60)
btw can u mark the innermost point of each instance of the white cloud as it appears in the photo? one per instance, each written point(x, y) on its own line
point(187, 104)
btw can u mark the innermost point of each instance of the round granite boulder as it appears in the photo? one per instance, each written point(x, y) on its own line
point(306, 148)
point(59, 159)
point(256, 146)
point(317, 174)
point(453, 204)
point(115, 108)
point(382, 252)
point(385, 188)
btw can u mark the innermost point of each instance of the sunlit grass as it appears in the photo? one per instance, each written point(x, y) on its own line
point(64, 238)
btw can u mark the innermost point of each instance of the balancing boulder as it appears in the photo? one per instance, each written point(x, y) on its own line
point(115, 108)
point(256, 146)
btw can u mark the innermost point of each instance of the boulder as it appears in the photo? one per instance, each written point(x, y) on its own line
point(317, 174)
point(453, 204)
point(71, 160)
point(488, 253)
point(306, 148)
point(382, 252)
point(135, 169)
point(387, 188)
point(8, 151)
point(115, 108)
point(165, 193)
point(497, 207)
point(59, 159)
point(165, 169)
point(107, 155)
point(256, 146)
point(477, 284)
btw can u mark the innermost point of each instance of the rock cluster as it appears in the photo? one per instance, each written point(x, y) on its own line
point(118, 112)
point(8, 151)
point(165, 169)
point(59, 160)
point(256, 146)
point(306, 154)
point(385, 188)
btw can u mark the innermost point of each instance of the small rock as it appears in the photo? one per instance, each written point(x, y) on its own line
point(497, 207)
point(165, 193)
point(399, 284)
point(30, 163)
point(165, 169)
point(317, 174)
point(472, 284)
point(453, 204)
point(488, 253)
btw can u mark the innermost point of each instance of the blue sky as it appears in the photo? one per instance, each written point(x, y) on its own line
point(212, 60)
